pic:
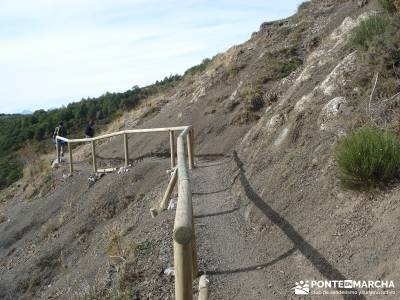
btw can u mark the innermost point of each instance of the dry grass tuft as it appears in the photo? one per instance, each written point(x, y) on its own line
point(120, 251)
point(253, 97)
point(3, 218)
point(52, 225)
point(36, 177)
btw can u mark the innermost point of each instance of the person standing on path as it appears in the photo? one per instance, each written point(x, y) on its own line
point(62, 132)
point(90, 129)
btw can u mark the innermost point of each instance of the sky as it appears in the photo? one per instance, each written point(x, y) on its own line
point(53, 52)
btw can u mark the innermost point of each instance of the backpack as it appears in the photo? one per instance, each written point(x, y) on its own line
point(89, 131)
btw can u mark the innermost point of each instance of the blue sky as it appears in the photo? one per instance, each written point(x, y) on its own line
point(53, 52)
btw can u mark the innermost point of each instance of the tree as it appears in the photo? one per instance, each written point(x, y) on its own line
point(39, 133)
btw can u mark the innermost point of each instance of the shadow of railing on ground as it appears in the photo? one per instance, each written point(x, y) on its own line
point(220, 213)
point(253, 268)
point(308, 251)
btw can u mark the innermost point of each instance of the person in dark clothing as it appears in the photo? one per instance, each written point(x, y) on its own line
point(62, 132)
point(90, 129)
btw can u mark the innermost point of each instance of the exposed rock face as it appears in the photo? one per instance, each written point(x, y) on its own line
point(330, 113)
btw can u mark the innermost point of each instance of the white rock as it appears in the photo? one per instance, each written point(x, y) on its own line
point(55, 164)
point(274, 122)
point(172, 204)
point(281, 137)
point(170, 271)
point(300, 105)
point(330, 112)
point(337, 78)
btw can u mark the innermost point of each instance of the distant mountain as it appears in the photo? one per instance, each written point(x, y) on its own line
point(26, 112)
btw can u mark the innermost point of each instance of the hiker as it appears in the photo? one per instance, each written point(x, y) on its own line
point(59, 131)
point(89, 131)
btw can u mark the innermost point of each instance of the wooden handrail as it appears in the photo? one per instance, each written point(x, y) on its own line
point(108, 135)
point(183, 219)
point(184, 245)
point(185, 254)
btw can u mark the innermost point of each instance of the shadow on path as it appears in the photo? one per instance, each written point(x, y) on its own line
point(220, 213)
point(159, 154)
point(253, 268)
point(218, 191)
point(316, 258)
point(213, 164)
point(212, 192)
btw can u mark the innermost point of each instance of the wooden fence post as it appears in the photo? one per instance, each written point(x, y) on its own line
point(172, 148)
point(71, 167)
point(189, 141)
point(183, 229)
point(94, 156)
point(167, 195)
point(126, 149)
point(183, 271)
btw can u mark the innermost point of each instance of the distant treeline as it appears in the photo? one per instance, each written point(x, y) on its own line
point(15, 130)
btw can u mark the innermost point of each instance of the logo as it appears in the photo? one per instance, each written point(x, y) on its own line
point(302, 288)
point(344, 287)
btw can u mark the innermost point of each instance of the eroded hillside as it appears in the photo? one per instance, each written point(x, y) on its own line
point(277, 105)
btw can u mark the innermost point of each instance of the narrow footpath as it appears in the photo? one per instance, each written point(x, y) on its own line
point(230, 251)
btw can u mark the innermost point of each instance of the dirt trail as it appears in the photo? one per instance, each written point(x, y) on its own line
point(242, 261)
point(231, 253)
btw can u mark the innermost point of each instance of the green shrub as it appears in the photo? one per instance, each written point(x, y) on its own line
point(252, 97)
point(304, 5)
point(378, 44)
point(281, 63)
point(289, 66)
point(10, 170)
point(368, 158)
point(388, 5)
point(231, 70)
point(367, 30)
point(383, 49)
point(198, 68)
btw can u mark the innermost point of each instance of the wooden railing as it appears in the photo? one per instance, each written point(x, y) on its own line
point(125, 133)
point(185, 254)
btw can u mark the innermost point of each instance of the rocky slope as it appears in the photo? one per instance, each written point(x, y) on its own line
point(278, 104)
